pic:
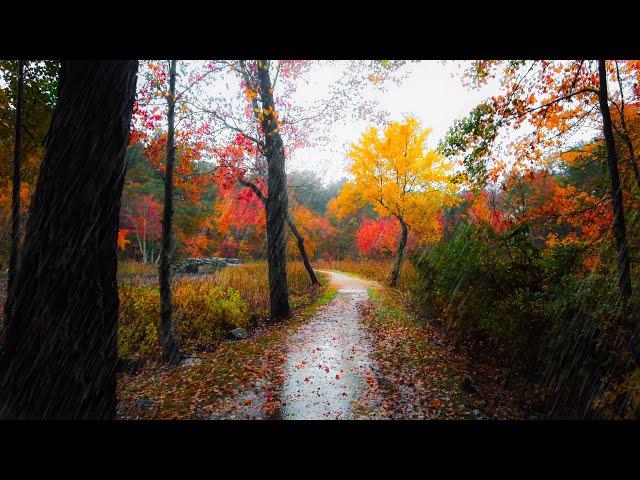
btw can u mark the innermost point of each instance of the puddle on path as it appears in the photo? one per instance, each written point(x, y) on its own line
point(328, 358)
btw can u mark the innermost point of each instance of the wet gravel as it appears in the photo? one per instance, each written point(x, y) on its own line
point(328, 359)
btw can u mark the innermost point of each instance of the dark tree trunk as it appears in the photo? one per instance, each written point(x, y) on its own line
point(15, 194)
point(58, 357)
point(170, 350)
point(294, 230)
point(619, 226)
point(277, 204)
point(301, 249)
point(395, 274)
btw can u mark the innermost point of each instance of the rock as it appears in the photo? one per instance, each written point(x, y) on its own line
point(189, 361)
point(191, 265)
point(239, 333)
point(143, 403)
point(478, 415)
point(190, 268)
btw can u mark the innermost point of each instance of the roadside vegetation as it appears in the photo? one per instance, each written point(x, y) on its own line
point(235, 379)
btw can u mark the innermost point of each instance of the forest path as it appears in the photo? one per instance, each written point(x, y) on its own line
point(356, 352)
point(328, 360)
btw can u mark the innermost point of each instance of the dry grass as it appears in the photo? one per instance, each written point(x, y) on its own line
point(206, 305)
point(372, 269)
point(252, 281)
point(129, 267)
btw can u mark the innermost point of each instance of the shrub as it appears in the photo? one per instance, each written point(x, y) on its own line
point(202, 311)
point(139, 317)
point(205, 312)
point(541, 313)
point(204, 308)
point(252, 281)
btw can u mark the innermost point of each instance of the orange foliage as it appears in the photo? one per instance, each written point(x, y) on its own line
point(122, 239)
point(188, 153)
point(314, 229)
point(483, 211)
point(195, 245)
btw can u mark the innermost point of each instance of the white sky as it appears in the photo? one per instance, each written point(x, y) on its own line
point(430, 91)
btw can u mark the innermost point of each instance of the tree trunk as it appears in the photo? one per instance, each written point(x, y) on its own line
point(294, 230)
point(619, 226)
point(15, 194)
point(170, 350)
point(59, 348)
point(395, 274)
point(277, 204)
point(632, 155)
point(303, 252)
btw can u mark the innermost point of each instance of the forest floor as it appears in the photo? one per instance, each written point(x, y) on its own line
point(354, 352)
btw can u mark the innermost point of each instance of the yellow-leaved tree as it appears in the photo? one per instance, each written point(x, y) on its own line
point(398, 176)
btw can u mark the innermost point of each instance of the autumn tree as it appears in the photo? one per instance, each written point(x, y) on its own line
point(166, 332)
point(259, 91)
point(58, 356)
point(399, 176)
point(619, 223)
point(286, 125)
point(240, 219)
point(259, 81)
point(143, 219)
point(243, 163)
point(159, 91)
point(542, 105)
point(39, 88)
point(316, 229)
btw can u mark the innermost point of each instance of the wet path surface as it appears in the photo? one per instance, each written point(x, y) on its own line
point(328, 360)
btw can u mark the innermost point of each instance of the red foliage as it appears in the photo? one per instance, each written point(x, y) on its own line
point(241, 219)
point(483, 211)
point(144, 217)
point(379, 237)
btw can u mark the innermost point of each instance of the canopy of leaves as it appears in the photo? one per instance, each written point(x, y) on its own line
point(398, 176)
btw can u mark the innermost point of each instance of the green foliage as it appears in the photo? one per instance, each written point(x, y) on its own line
point(588, 172)
point(308, 188)
point(488, 286)
point(472, 137)
point(541, 313)
point(39, 97)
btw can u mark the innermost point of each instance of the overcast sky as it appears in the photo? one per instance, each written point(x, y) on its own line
point(430, 91)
